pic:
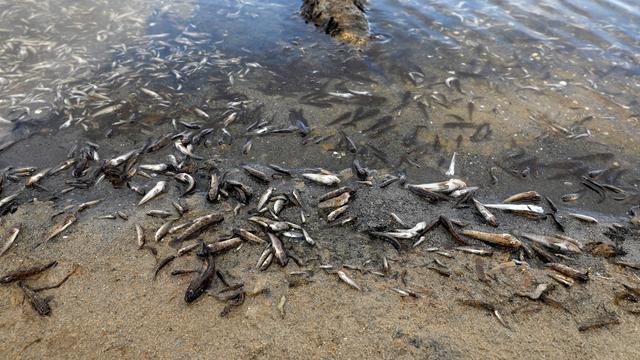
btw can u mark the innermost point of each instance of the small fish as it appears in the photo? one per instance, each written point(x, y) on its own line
point(163, 230)
point(570, 197)
point(335, 202)
point(88, 204)
point(186, 179)
point(322, 178)
point(348, 280)
point(337, 212)
point(444, 186)
point(582, 275)
point(506, 240)
point(585, 218)
point(34, 179)
point(214, 186)
point(162, 263)
point(60, 227)
point(257, 174)
point(278, 249)
point(525, 196)
point(264, 198)
point(335, 193)
point(11, 236)
point(308, 238)
point(200, 224)
point(151, 93)
point(224, 245)
point(249, 236)
point(486, 214)
point(452, 166)
point(560, 243)
point(475, 251)
point(21, 274)
point(39, 304)
point(140, 236)
point(158, 189)
point(517, 207)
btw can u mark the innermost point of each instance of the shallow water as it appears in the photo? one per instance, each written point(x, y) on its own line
point(529, 95)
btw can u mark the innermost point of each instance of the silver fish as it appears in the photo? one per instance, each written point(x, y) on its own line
point(11, 236)
point(187, 179)
point(159, 188)
point(139, 236)
point(348, 280)
point(278, 248)
point(444, 186)
point(322, 178)
point(264, 198)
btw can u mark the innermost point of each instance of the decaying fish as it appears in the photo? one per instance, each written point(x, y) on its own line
point(35, 179)
point(585, 218)
point(186, 179)
point(158, 189)
point(347, 280)
point(506, 240)
point(21, 274)
point(582, 275)
point(201, 282)
point(525, 196)
point(264, 198)
point(443, 187)
point(335, 202)
point(486, 214)
point(198, 226)
point(278, 249)
point(60, 227)
point(39, 304)
point(139, 236)
point(560, 243)
point(322, 178)
point(10, 237)
point(517, 207)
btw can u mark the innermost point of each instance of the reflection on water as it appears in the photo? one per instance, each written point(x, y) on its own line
point(542, 91)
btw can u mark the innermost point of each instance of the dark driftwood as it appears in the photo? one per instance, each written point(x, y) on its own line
point(343, 19)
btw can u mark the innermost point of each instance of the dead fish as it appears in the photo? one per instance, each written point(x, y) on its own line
point(158, 189)
point(474, 251)
point(307, 237)
point(335, 193)
point(407, 233)
point(249, 236)
point(359, 170)
point(264, 198)
point(199, 224)
point(34, 179)
point(162, 263)
point(444, 186)
point(186, 179)
point(585, 218)
point(60, 227)
point(452, 166)
point(88, 204)
point(224, 245)
point(246, 148)
point(21, 274)
point(558, 243)
point(276, 226)
point(322, 178)
point(154, 167)
point(136, 188)
point(524, 196)
point(140, 236)
point(39, 304)
point(335, 202)
point(486, 214)
point(278, 249)
point(7, 200)
point(348, 280)
point(570, 197)
point(163, 230)
point(337, 212)
point(11, 236)
point(159, 213)
point(214, 186)
point(564, 280)
point(151, 93)
point(582, 275)
point(517, 207)
point(186, 150)
point(257, 174)
point(506, 240)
